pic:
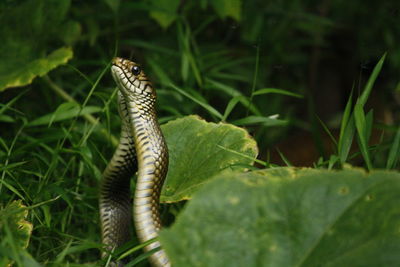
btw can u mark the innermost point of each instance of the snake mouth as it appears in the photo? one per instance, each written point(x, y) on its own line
point(129, 89)
point(117, 61)
point(130, 84)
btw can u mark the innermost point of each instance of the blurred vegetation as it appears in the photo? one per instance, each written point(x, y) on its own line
point(290, 72)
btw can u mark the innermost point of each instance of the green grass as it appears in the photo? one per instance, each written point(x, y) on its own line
point(58, 133)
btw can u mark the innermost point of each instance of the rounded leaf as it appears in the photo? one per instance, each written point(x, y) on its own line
point(198, 150)
point(290, 217)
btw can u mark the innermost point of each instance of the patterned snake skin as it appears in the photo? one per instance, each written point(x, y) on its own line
point(141, 145)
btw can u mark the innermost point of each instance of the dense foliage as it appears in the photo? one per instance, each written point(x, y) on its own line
point(314, 83)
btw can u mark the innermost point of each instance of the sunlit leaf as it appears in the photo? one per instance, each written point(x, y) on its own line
point(196, 154)
point(24, 49)
point(290, 217)
point(15, 232)
point(26, 73)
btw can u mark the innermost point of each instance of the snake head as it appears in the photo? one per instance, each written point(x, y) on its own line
point(131, 80)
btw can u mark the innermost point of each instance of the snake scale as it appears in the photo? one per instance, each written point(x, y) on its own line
point(141, 146)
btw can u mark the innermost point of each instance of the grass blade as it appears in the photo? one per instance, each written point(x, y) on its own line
point(261, 162)
point(327, 131)
point(12, 189)
point(233, 92)
point(394, 153)
point(231, 104)
point(266, 121)
point(369, 118)
point(361, 126)
point(264, 91)
point(343, 126)
point(346, 140)
point(254, 78)
point(133, 249)
point(206, 106)
point(67, 110)
point(142, 257)
point(370, 83)
point(285, 160)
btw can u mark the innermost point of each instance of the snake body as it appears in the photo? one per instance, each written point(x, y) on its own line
point(141, 145)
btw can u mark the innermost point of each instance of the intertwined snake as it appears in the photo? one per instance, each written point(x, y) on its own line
point(141, 146)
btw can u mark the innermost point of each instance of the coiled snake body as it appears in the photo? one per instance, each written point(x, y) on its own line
point(141, 144)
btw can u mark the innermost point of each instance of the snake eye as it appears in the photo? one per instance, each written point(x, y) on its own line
point(135, 70)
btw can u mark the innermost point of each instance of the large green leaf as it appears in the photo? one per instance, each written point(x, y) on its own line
point(290, 217)
point(198, 150)
point(29, 27)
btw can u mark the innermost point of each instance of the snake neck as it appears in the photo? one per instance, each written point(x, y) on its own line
point(138, 98)
point(115, 196)
point(152, 158)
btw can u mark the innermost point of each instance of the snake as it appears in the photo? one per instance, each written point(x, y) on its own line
point(141, 149)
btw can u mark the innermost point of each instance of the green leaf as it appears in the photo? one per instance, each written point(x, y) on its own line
point(24, 74)
point(370, 83)
point(28, 260)
point(227, 8)
point(332, 160)
point(206, 106)
point(245, 101)
point(164, 11)
point(347, 140)
point(276, 91)
point(361, 126)
point(15, 233)
point(196, 154)
point(160, 72)
point(65, 111)
point(25, 47)
point(290, 217)
point(394, 153)
point(10, 186)
point(6, 118)
point(230, 106)
point(13, 215)
point(346, 131)
point(266, 121)
point(369, 120)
